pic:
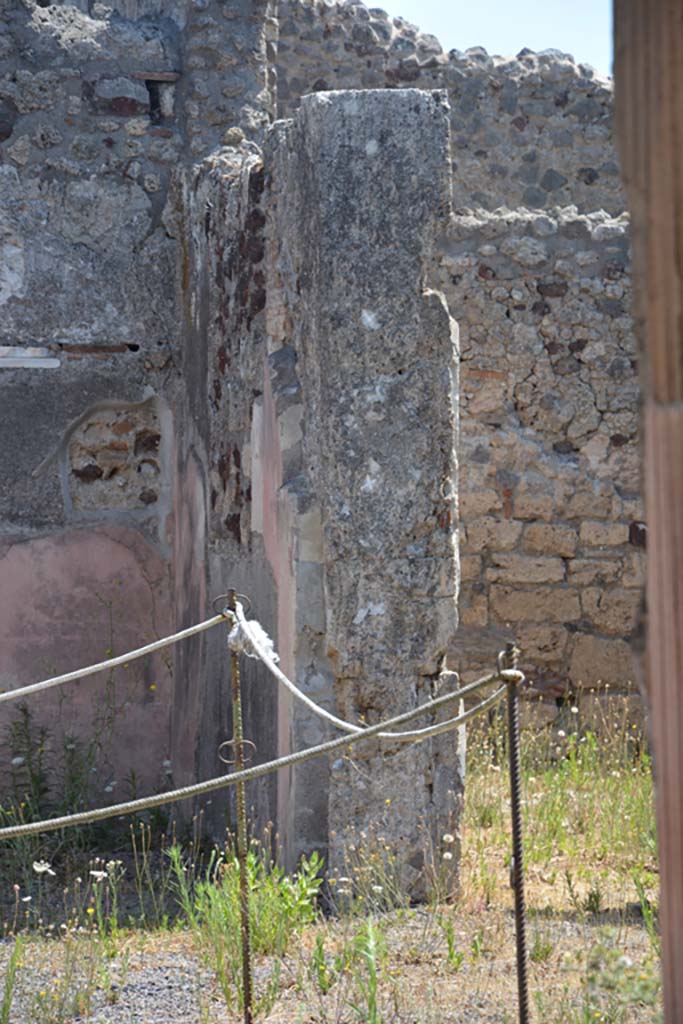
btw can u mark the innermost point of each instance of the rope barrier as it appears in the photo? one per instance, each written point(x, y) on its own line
point(249, 638)
point(121, 659)
point(210, 785)
point(403, 737)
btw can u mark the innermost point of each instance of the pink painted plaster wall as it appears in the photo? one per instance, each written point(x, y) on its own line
point(69, 599)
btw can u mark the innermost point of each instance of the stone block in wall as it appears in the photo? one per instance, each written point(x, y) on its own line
point(470, 568)
point(581, 572)
point(474, 608)
point(540, 604)
point(485, 396)
point(595, 660)
point(611, 610)
point(543, 644)
point(509, 568)
point(489, 532)
point(475, 502)
point(123, 97)
point(603, 535)
point(532, 503)
point(633, 574)
point(549, 539)
point(590, 500)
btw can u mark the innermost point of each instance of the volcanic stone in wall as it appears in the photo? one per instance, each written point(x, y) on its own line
point(114, 459)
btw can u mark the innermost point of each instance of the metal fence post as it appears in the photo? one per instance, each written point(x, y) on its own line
point(509, 660)
point(242, 841)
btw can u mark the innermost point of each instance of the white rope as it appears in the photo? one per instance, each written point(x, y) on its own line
point(200, 788)
point(121, 659)
point(266, 657)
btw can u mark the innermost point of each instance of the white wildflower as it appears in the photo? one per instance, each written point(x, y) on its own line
point(17, 761)
point(447, 855)
point(448, 838)
point(575, 710)
point(377, 888)
point(561, 733)
point(42, 867)
point(98, 875)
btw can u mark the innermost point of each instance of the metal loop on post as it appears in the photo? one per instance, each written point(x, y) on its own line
point(232, 745)
point(226, 598)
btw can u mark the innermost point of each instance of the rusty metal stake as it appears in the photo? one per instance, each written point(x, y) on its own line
point(509, 660)
point(242, 842)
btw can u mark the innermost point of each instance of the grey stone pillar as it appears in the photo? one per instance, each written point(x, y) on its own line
point(354, 466)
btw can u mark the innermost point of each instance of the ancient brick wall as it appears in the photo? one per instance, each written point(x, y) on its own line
point(533, 130)
point(549, 482)
point(535, 268)
point(153, 310)
point(102, 533)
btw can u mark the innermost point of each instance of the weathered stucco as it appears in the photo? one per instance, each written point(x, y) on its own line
point(364, 359)
point(98, 107)
point(67, 600)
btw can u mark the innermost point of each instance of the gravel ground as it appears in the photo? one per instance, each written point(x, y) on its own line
point(150, 985)
point(158, 979)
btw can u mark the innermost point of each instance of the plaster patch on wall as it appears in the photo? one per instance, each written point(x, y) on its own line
point(12, 269)
point(256, 467)
point(372, 478)
point(369, 320)
point(311, 535)
point(369, 609)
point(290, 427)
point(32, 357)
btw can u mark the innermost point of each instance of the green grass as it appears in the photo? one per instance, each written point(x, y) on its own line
point(591, 882)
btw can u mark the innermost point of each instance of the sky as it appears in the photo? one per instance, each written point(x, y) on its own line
point(580, 27)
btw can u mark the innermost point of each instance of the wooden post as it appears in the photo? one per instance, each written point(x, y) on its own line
point(649, 96)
